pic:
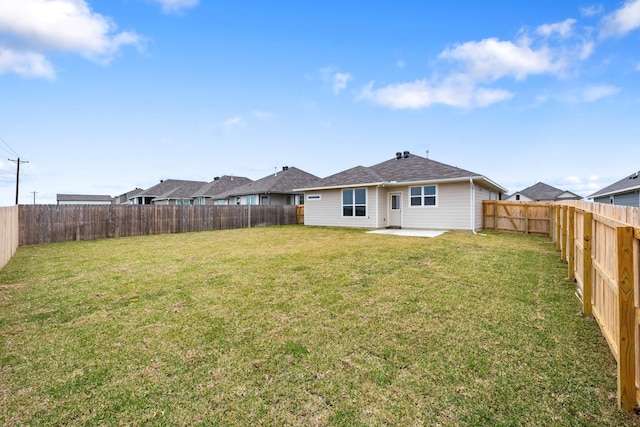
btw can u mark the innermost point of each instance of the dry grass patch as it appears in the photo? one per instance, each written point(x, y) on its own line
point(299, 326)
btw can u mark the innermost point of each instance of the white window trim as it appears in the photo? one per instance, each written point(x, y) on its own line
point(366, 204)
point(422, 196)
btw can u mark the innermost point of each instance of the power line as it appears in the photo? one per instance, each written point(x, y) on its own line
point(10, 150)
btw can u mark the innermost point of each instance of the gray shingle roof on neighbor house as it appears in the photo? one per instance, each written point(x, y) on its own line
point(404, 168)
point(221, 185)
point(168, 186)
point(541, 191)
point(628, 183)
point(84, 198)
point(281, 182)
point(184, 191)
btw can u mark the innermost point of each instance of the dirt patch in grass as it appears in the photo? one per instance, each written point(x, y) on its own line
point(299, 326)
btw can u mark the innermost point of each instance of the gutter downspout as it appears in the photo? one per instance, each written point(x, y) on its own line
point(473, 209)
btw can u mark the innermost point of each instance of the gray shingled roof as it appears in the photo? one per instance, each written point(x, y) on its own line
point(628, 183)
point(223, 184)
point(542, 191)
point(84, 198)
point(167, 186)
point(411, 168)
point(184, 191)
point(281, 182)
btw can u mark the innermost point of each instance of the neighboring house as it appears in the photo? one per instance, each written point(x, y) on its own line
point(206, 194)
point(168, 192)
point(625, 192)
point(407, 191)
point(275, 189)
point(125, 198)
point(83, 199)
point(541, 192)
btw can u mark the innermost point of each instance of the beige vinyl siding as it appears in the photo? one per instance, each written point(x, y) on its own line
point(383, 202)
point(452, 212)
point(482, 193)
point(328, 210)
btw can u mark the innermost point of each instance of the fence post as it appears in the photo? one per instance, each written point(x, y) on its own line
point(563, 234)
point(558, 210)
point(571, 244)
point(626, 323)
point(587, 265)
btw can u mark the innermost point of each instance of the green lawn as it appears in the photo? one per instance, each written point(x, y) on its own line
point(299, 326)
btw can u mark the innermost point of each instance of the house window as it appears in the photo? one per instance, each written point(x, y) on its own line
point(301, 200)
point(517, 197)
point(289, 199)
point(200, 201)
point(423, 196)
point(237, 200)
point(220, 202)
point(354, 202)
point(252, 199)
point(314, 197)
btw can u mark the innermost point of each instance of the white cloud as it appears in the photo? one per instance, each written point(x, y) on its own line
point(340, 81)
point(42, 26)
point(456, 91)
point(593, 10)
point(232, 123)
point(27, 64)
point(262, 115)
point(622, 21)
point(176, 6)
point(562, 29)
point(491, 59)
point(596, 92)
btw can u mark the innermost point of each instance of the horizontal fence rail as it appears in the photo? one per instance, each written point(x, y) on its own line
point(517, 217)
point(62, 223)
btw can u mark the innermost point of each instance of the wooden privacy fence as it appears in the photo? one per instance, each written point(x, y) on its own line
point(518, 217)
point(601, 245)
point(61, 223)
point(8, 233)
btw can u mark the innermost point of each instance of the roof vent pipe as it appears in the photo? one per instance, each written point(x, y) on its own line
point(406, 154)
point(398, 155)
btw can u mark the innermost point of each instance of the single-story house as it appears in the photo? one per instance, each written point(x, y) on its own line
point(541, 192)
point(407, 191)
point(274, 189)
point(168, 191)
point(625, 192)
point(84, 199)
point(125, 198)
point(206, 194)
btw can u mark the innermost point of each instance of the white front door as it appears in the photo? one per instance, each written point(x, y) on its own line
point(395, 210)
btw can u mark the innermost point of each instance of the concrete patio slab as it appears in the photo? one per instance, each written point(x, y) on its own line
point(408, 232)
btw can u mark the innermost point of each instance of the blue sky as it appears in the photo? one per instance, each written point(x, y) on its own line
point(101, 97)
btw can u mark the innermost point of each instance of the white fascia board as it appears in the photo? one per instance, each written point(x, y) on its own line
point(337, 187)
point(609, 193)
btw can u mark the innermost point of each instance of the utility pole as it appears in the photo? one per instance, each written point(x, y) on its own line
point(18, 161)
point(34, 197)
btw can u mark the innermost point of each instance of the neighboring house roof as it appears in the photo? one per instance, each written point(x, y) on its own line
point(221, 185)
point(84, 198)
point(629, 183)
point(541, 191)
point(168, 186)
point(281, 182)
point(129, 195)
point(402, 169)
point(184, 191)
